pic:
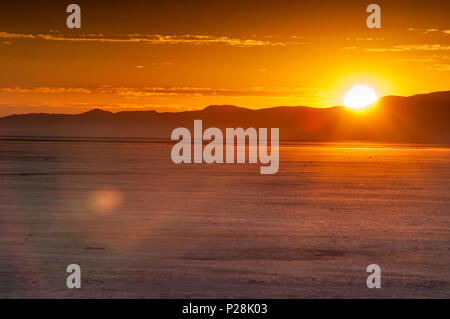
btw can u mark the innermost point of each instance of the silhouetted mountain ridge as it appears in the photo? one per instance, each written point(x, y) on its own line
point(420, 118)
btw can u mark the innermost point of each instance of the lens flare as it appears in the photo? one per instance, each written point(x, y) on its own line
point(105, 202)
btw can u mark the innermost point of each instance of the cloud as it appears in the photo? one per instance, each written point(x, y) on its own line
point(419, 60)
point(429, 30)
point(45, 90)
point(411, 47)
point(16, 35)
point(440, 67)
point(204, 91)
point(368, 39)
point(149, 39)
point(128, 92)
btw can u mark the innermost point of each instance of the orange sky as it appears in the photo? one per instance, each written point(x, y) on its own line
point(179, 55)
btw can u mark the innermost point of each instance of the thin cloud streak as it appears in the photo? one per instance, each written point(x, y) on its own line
point(6, 35)
point(411, 47)
point(149, 39)
point(45, 90)
point(171, 91)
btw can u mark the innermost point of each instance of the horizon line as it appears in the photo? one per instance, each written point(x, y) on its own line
point(219, 105)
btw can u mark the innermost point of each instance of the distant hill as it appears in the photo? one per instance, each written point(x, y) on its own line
point(420, 118)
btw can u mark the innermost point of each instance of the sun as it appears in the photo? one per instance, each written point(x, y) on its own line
point(360, 96)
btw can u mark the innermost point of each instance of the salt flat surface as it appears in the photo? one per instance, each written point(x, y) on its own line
point(141, 226)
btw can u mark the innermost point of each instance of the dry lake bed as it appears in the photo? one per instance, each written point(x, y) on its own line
point(140, 226)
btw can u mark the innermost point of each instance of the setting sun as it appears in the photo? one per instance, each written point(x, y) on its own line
point(359, 97)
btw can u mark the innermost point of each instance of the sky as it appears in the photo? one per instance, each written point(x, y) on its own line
point(185, 55)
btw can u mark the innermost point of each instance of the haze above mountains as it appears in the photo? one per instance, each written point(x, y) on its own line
point(420, 118)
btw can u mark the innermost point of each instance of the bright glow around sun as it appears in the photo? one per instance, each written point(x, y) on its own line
point(359, 97)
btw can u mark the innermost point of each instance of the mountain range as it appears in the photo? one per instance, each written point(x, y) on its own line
point(422, 118)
